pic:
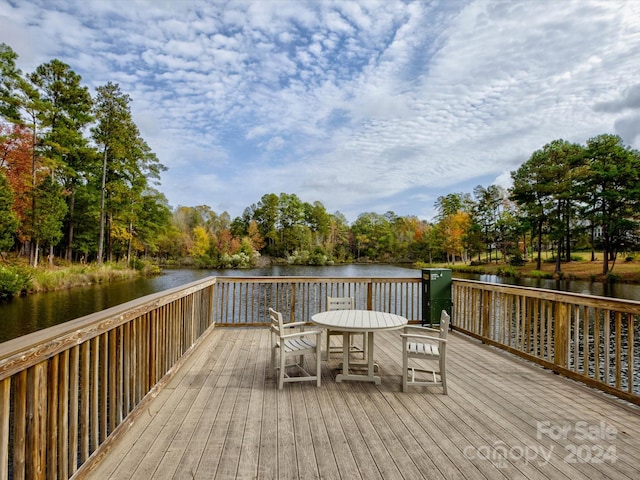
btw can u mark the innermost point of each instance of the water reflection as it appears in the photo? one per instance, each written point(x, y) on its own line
point(617, 290)
point(35, 312)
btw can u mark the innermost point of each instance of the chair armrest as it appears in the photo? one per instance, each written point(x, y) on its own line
point(294, 324)
point(423, 337)
point(421, 329)
point(306, 333)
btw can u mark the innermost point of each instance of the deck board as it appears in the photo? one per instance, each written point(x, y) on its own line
point(222, 416)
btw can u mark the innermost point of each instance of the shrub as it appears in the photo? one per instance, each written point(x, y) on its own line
point(517, 260)
point(507, 271)
point(237, 260)
point(12, 281)
point(540, 274)
point(612, 277)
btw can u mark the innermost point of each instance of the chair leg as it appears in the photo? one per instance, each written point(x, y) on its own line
point(405, 367)
point(443, 376)
point(318, 358)
point(282, 372)
point(326, 352)
point(365, 346)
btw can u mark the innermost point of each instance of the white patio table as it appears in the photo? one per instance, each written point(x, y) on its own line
point(358, 321)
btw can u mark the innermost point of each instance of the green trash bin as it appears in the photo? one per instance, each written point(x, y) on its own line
point(436, 294)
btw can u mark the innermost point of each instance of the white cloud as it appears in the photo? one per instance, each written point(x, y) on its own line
point(360, 105)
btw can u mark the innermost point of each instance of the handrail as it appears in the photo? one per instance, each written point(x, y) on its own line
point(64, 390)
point(68, 391)
point(245, 300)
point(591, 339)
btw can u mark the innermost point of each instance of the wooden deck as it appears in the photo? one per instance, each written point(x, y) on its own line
point(221, 416)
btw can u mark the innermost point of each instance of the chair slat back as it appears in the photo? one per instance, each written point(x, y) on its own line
point(340, 303)
point(276, 321)
point(445, 320)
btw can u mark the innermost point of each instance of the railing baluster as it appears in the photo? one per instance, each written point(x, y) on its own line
point(576, 335)
point(5, 409)
point(68, 391)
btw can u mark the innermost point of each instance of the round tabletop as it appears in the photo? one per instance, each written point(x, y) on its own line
point(358, 320)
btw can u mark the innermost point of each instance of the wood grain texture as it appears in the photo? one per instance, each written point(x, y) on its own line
point(222, 416)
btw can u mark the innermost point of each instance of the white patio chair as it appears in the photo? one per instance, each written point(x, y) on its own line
point(343, 303)
point(291, 340)
point(420, 343)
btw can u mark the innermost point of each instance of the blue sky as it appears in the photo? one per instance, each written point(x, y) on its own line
point(365, 106)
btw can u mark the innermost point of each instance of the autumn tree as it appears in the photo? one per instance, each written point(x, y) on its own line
point(254, 236)
point(340, 239)
point(452, 231)
point(21, 103)
point(200, 245)
point(8, 219)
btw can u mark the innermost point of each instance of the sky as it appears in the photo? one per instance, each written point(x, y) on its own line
point(364, 106)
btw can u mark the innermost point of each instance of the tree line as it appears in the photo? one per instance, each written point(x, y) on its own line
point(78, 182)
point(566, 196)
point(76, 177)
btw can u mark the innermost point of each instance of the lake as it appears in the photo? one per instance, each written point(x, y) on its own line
point(34, 312)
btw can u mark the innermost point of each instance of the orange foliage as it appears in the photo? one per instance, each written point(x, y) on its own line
point(454, 227)
point(16, 162)
point(227, 243)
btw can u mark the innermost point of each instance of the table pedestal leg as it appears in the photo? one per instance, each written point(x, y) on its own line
point(345, 375)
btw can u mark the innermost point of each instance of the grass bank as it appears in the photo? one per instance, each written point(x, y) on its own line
point(580, 268)
point(17, 277)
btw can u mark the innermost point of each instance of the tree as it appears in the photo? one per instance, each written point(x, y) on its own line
point(319, 222)
point(256, 239)
point(339, 237)
point(10, 83)
point(563, 160)
point(67, 115)
point(452, 203)
point(374, 238)
point(531, 191)
point(487, 211)
point(112, 134)
point(49, 210)
point(21, 103)
point(425, 245)
point(265, 213)
point(128, 164)
point(8, 219)
point(613, 181)
point(454, 222)
point(152, 220)
point(200, 245)
point(452, 231)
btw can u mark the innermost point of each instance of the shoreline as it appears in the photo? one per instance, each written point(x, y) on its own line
point(44, 279)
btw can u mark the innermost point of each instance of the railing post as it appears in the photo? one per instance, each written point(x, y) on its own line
point(370, 295)
point(486, 314)
point(5, 395)
point(560, 335)
point(292, 312)
point(36, 458)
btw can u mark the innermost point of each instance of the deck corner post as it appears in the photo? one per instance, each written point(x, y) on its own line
point(560, 334)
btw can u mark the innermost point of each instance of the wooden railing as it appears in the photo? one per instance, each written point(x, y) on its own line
point(595, 340)
point(64, 390)
point(67, 392)
point(245, 300)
